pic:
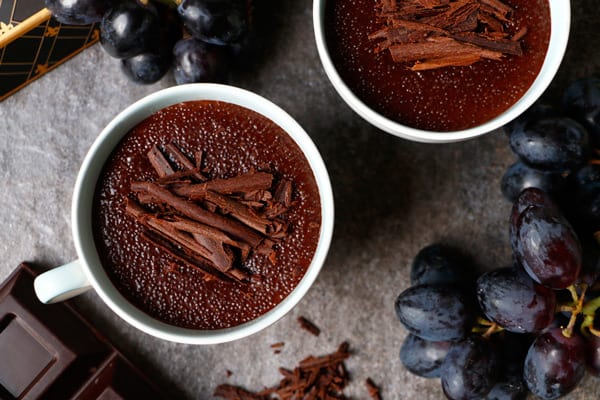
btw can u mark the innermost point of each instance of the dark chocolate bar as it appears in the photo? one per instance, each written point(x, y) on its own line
point(52, 352)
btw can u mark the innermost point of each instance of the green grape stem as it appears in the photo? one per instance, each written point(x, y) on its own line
point(589, 313)
point(576, 308)
point(486, 328)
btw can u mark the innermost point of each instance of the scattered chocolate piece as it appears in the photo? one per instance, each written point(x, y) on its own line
point(228, 373)
point(309, 326)
point(212, 225)
point(373, 389)
point(321, 377)
point(277, 346)
point(434, 34)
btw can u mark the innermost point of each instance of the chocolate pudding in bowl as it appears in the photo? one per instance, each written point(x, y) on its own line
point(207, 215)
point(440, 70)
point(201, 214)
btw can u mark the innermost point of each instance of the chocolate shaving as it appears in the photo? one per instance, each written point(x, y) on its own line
point(436, 48)
point(309, 326)
point(159, 162)
point(454, 61)
point(283, 193)
point(372, 389)
point(433, 34)
point(197, 213)
point(500, 9)
point(203, 250)
point(180, 254)
point(321, 377)
point(218, 234)
point(246, 183)
point(500, 45)
point(519, 35)
point(241, 212)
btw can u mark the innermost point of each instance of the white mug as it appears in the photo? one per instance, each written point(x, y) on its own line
point(560, 23)
point(87, 272)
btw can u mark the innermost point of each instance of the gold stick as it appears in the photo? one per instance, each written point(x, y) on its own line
point(25, 26)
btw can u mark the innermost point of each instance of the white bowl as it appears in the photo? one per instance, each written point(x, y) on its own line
point(560, 14)
point(87, 272)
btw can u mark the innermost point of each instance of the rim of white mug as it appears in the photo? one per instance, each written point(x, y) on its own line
point(105, 143)
point(560, 22)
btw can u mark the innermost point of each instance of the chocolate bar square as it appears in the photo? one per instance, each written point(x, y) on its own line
point(52, 352)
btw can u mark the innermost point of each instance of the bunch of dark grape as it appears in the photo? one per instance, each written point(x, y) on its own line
point(533, 326)
point(198, 38)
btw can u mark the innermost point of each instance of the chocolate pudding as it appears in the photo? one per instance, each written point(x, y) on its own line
point(163, 188)
point(442, 99)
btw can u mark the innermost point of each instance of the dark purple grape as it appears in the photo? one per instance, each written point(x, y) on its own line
point(423, 357)
point(78, 12)
point(436, 264)
point(436, 313)
point(527, 198)
point(520, 176)
point(219, 22)
point(547, 247)
point(469, 369)
point(147, 67)
point(196, 61)
point(129, 29)
point(552, 144)
point(554, 364)
point(593, 355)
point(511, 298)
point(581, 102)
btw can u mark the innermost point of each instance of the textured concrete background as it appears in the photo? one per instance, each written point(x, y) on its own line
point(392, 197)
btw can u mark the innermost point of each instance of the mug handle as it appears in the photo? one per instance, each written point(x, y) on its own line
point(61, 283)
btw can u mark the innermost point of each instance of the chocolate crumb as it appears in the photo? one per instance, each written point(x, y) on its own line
point(277, 345)
point(309, 326)
point(373, 389)
point(228, 373)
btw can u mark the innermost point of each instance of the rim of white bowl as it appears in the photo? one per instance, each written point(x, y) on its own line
point(90, 171)
point(560, 22)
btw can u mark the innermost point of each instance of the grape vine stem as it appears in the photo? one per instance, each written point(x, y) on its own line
point(576, 309)
point(589, 312)
point(486, 328)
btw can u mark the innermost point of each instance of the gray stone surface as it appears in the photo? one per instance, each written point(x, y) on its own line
point(392, 197)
